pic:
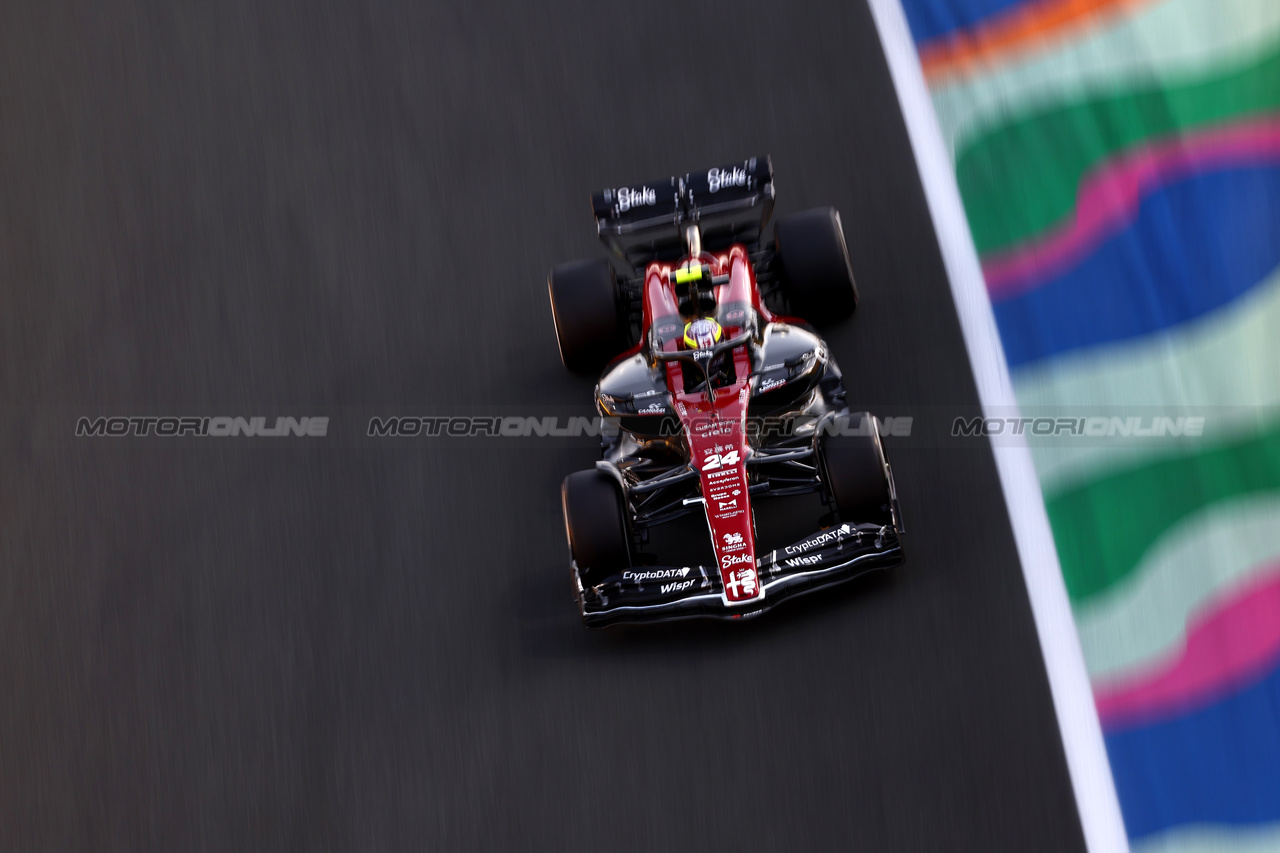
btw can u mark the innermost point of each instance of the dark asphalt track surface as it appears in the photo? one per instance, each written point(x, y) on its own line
point(313, 208)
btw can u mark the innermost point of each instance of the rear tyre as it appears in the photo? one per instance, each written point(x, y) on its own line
point(595, 520)
point(815, 265)
point(584, 306)
point(857, 474)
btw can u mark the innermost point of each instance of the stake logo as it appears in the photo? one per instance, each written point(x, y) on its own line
point(717, 178)
point(629, 198)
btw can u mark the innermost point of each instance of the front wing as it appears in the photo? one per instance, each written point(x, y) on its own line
point(661, 593)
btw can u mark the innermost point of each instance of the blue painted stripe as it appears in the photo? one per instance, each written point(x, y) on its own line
point(930, 19)
point(1195, 245)
point(1218, 765)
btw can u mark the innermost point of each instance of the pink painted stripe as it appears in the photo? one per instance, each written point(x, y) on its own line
point(1110, 195)
point(1231, 643)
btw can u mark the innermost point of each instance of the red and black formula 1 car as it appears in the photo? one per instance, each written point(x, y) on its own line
point(719, 403)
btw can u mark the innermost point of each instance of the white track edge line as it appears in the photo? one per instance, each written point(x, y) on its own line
point(1081, 732)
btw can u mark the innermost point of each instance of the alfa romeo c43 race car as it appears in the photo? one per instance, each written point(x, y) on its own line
point(720, 403)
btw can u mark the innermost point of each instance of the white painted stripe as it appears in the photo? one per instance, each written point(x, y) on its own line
point(1202, 558)
point(1264, 838)
point(1068, 681)
point(1170, 39)
point(1221, 367)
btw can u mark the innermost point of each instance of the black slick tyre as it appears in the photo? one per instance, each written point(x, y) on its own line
point(595, 522)
point(584, 307)
point(856, 474)
point(814, 258)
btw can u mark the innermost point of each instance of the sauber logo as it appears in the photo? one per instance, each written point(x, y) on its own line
point(629, 198)
point(717, 178)
point(718, 460)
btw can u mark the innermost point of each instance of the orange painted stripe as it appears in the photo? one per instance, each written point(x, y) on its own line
point(1021, 28)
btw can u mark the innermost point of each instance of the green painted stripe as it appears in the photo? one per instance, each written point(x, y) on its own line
point(1021, 178)
point(1103, 529)
point(1144, 619)
point(1174, 38)
point(1222, 367)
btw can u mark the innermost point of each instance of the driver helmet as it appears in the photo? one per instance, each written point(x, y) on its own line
point(702, 333)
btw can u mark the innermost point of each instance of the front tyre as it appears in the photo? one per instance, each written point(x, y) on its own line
point(856, 473)
point(595, 521)
point(584, 307)
point(815, 265)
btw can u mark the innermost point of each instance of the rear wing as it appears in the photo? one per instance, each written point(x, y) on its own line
point(729, 204)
